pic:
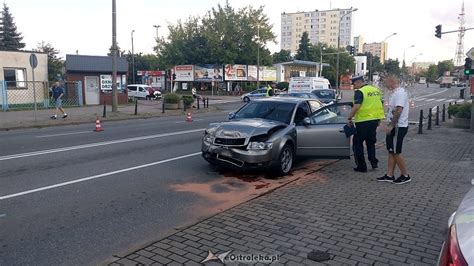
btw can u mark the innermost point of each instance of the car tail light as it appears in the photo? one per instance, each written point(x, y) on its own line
point(451, 254)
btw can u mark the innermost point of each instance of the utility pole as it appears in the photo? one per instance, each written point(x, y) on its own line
point(338, 45)
point(133, 60)
point(114, 58)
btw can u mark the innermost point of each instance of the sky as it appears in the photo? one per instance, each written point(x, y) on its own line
point(86, 25)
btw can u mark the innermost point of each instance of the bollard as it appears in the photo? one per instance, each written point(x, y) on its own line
point(420, 124)
point(437, 116)
point(197, 100)
point(207, 102)
point(449, 114)
point(163, 107)
point(136, 106)
point(429, 119)
point(461, 94)
point(104, 114)
point(444, 113)
point(203, 102)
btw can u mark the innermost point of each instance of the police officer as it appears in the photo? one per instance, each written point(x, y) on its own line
point(366, 115)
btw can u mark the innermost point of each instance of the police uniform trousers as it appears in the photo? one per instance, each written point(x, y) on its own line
point(365, 132)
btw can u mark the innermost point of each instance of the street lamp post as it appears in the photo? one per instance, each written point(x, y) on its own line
point(157, 27)
point(338, 44)
point(133, 60)
point(404, 52)
point(258, 56)
point(321, 48)
point(372, 56)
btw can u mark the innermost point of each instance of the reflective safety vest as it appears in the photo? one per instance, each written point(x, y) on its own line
point(371, 107)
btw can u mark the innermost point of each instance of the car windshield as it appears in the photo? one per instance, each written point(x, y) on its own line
point(278, 111)
point(325, 94)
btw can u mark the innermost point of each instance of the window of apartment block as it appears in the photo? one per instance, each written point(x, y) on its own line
point(323, 14)
point(15, 77)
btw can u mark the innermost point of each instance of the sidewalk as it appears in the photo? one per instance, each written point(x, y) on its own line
point(348, 215)
point(88, 114)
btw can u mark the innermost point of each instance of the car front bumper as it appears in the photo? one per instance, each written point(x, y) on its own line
point(237, 158)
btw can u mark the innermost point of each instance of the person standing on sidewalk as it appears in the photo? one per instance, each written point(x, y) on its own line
point(396, 130)
point(367, 113)
point(58, 93)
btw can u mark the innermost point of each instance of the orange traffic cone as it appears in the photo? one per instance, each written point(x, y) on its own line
point(98, 127)
point(189, 117)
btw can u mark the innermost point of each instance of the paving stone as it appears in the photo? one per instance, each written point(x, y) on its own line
point(160, 259)
point(143, 260)
point(177, 258)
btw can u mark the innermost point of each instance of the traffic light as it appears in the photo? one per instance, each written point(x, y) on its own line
point(352, 50)
point(467, 67)
point(174, 76)
point(438, 31)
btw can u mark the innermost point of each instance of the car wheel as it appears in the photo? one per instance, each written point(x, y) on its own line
point(285, 161)
point(246, 99)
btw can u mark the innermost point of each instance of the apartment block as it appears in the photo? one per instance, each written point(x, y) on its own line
point(377, 49)
point(322, 27)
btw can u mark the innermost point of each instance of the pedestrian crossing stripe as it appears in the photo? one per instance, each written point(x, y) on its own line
point(429, 100)
point(440, 100)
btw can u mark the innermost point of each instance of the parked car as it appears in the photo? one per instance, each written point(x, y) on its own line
point(259, 93)
point(306, 95)
point(326, 95)
point(142, 91)
point(458, 248)
point(269, 133)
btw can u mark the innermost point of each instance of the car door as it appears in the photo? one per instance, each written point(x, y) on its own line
point(142, 92)
point(324, 135)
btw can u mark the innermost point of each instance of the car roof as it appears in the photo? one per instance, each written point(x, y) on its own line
point(283, 99)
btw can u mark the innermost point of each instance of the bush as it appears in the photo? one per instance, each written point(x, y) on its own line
point(187, 100)
point(460, 110)
point(171, 98)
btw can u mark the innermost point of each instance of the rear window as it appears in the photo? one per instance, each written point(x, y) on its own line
point(325, 94)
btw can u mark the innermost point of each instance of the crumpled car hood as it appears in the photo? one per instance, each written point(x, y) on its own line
point(243, 128)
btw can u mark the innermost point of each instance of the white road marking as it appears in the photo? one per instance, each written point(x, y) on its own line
point(3, 215)
point(178, 122)
point(440, 100)
point(429, 100)
point(98, 144)
point(428, 95)
point(96, 176)
point(64, 134)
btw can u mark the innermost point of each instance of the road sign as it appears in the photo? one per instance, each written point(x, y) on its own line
point(33, 61)
point(470, 53)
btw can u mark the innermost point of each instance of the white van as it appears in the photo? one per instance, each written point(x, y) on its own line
point(308, 84)
point(141, 91)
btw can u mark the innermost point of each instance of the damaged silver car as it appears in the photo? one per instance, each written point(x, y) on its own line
point(271, 133)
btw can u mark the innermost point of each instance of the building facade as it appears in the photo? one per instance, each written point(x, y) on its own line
point(321, 26)
point(95, 75)
point(361, 65)
point(359, 45)
point(377, 49)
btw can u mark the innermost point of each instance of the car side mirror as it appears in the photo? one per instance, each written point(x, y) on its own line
point(306, 121)
point(231, 115)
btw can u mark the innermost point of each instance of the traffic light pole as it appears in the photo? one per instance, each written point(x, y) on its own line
point(452, 31)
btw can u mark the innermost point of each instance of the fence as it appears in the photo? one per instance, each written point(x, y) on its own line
point(26, 95)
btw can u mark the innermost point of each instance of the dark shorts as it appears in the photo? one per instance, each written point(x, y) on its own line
point(394, 140)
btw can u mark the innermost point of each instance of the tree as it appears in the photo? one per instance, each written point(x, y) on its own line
point(222, 36)
point(392, 67)
point(432, 73)
point(303, 52)
point(120, 53)
point(282, 56)
point(10, 39)
point(55, 63)
point(373, 63)
point(346, 63)
point(443, 66)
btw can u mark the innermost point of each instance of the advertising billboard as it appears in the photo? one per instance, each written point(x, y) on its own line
point(184, 72)
point(106, 82)
point(266, 73)
point(208, 73)
point(235, 72)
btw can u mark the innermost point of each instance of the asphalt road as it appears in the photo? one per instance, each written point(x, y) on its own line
point(73, 196)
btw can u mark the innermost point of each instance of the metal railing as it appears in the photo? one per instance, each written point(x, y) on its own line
point(28, 95)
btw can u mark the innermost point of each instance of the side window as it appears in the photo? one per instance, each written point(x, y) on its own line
point(332, 114)
point(301, 113)
point(132, 88)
